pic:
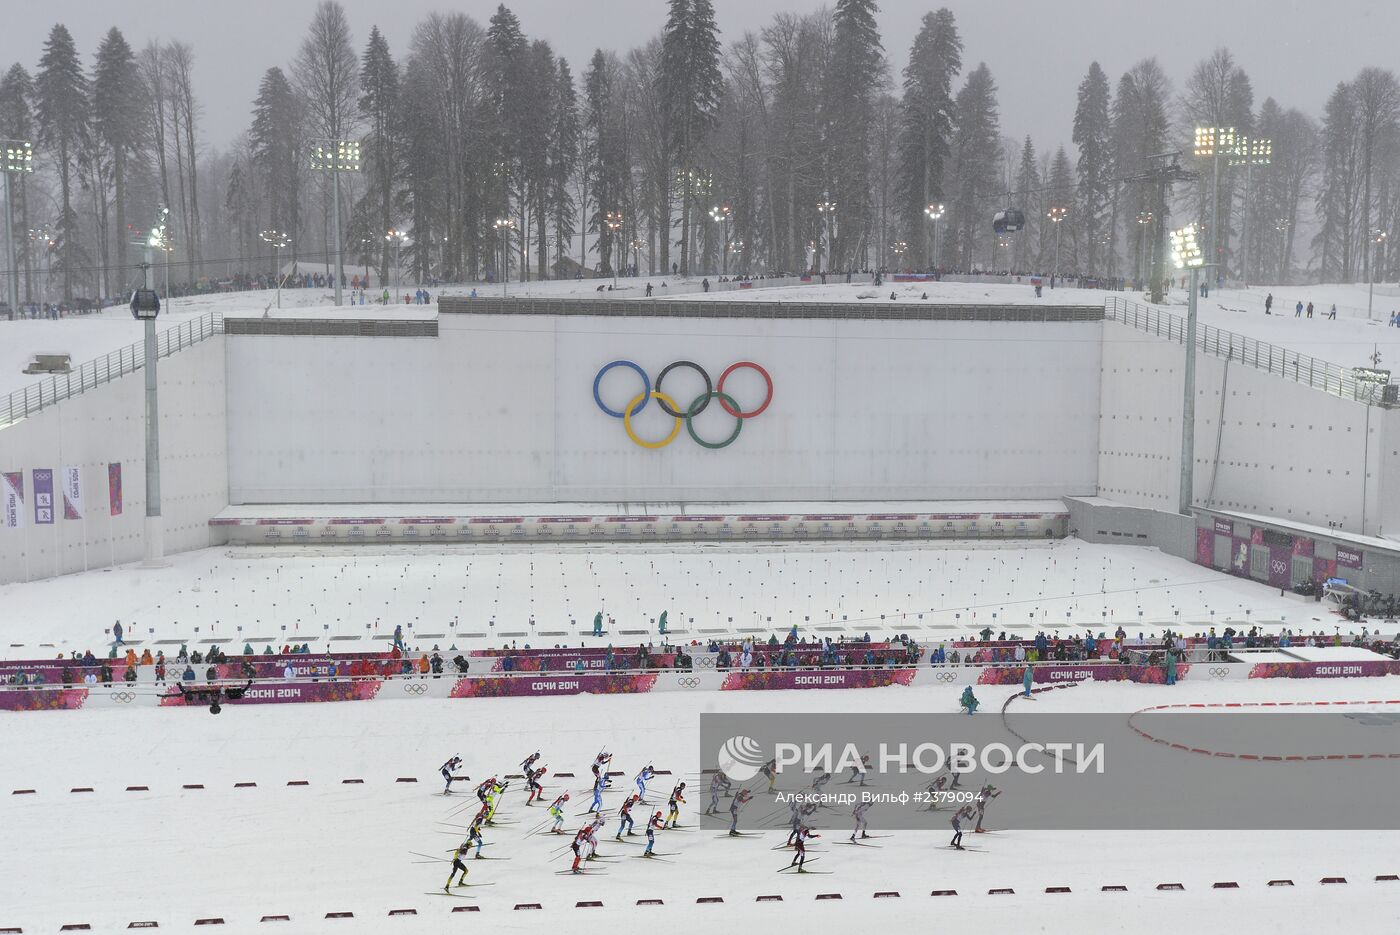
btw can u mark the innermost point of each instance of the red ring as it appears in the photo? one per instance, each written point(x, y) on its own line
point(740, 414)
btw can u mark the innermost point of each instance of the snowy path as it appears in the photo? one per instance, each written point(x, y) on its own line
point(174, 855)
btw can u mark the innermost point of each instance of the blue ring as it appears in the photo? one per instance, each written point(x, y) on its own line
point(646, 384)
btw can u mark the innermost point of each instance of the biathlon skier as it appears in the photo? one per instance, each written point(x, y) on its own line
point(961, 815)
point(654, 824)
point(556, 810)
point(532, 778)
point(448, 769)
point(799, 857)
point(626, 818)
point(984, 797)
point(643, 778)
point(739, 802)
point(719, 784)
point(677, 799)
point(457, 864)
point(859, 813)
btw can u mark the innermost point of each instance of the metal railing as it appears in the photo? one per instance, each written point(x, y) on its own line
point(334, 327)
point(1261, 355)
point(34, 398)
point(681, 308)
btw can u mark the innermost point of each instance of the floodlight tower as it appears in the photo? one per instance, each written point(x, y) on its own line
point(16, 157)
point(335, 157)
point(934, 212)
point(1212, 143)
point(1249, 153)
point(1187, 255)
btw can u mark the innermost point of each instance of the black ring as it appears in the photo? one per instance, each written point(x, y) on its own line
point(665, 406)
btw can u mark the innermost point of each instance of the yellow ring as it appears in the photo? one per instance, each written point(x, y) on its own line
point(627, 420)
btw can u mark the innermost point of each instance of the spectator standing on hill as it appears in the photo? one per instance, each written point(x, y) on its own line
point(1269, 304)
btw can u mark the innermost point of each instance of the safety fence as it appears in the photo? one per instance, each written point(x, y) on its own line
point(1261, 355)
point(678, 308)
point(146, 692)
point(34, 398)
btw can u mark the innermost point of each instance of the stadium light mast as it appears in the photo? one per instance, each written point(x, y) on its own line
point(827, 209)
point(335, 157)
point(613, 220)
point(505, 226)
point(720, 215)
point(1249, 153)
point(397, 237)
point(18, 157)
point(1187, 255)
point(1212, 143)
point(934, 212)
point(1056, 215)
point(1378, 238)
point(278, 241)
point(145, 306)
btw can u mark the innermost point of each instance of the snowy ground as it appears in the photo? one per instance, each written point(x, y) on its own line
point(1350, 340)
point(472, 595)
point(174, 855)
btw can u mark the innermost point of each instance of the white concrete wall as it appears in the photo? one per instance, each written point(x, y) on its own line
point(500, 408)
point(1286, 450)
point(107, 424)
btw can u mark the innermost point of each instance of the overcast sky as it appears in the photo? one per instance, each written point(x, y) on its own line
point(1294, 50)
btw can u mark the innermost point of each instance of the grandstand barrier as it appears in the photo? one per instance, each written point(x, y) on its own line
point(673, 527)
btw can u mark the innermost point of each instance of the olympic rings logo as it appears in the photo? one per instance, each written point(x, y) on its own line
point(1219, 673)
point(414, 688)
point(946, 676)
point(123, 697)
point(705, 662)
point(669, 406)
point(688, 682)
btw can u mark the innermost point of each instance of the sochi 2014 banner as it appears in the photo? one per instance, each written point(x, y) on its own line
point(12, 499)
point(43, 496)
point(114, 489)
point(43, 699)
point(1367, 668)
point(72, 492)
point(1062, 674)
point(280, 693)
point(760, 680)
point(518, 685)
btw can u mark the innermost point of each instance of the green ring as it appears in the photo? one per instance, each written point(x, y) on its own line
point(700, 403)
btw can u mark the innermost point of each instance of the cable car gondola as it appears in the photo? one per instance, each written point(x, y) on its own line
point(1009, 221)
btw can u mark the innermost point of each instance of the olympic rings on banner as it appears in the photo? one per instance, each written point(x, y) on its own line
point(646, 387)
point(713, 390)
point(698, 406)
point(709, 387)
point(642, 398)
point(414, 688)
point(123, 697)
point(945, 676)
point(688, 682)
point(736, 411)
